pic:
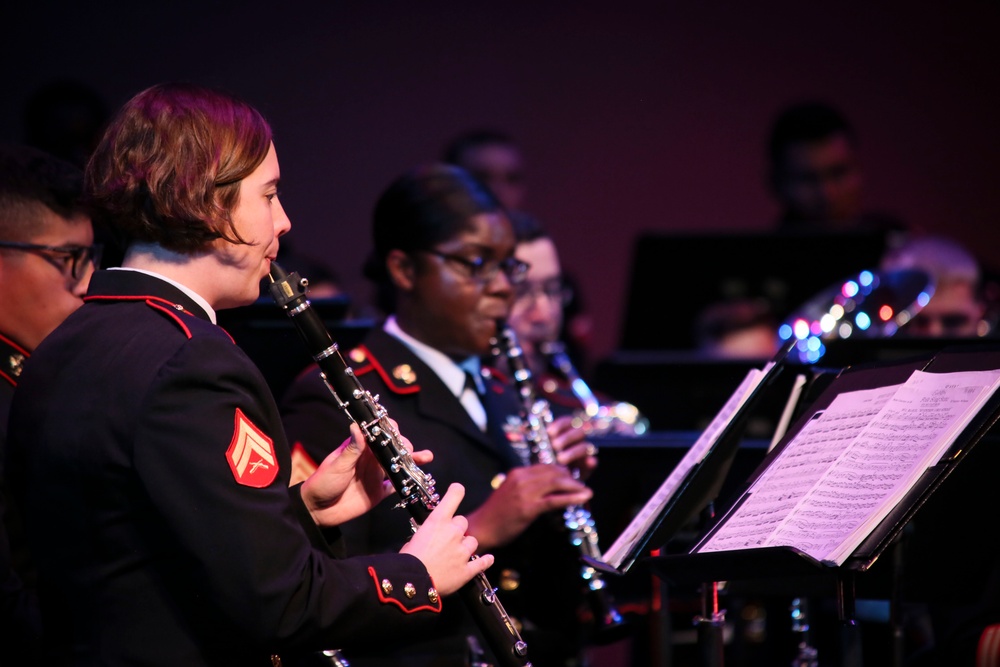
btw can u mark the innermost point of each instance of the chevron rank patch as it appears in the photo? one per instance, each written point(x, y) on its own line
point(251, 454)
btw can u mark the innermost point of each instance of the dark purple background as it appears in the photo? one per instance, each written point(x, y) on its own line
point(634, 115)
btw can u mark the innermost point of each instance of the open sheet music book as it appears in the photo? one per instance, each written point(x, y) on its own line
point(639, 529)
point(842, 473)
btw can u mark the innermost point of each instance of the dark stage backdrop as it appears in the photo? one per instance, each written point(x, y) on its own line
point(635, 116)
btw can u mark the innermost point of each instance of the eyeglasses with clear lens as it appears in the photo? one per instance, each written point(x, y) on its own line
point(77, 256)
point(554, 290)
point(485, 270)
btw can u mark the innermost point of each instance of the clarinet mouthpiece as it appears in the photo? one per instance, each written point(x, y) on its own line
point(277, 273)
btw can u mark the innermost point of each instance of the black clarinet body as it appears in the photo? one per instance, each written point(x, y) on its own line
point(415, 488)
point(579, 525)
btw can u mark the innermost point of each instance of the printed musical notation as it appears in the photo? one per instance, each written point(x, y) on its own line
point(851, 464)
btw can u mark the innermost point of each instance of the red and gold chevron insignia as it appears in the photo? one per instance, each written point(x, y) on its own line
point(251, 454)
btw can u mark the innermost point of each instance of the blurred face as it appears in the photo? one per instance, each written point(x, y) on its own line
point(260, 220)
point(501, 169)
point(537, 313)
point(448, 304)
point(821, 181)
point(953, 312)
point(37, 287)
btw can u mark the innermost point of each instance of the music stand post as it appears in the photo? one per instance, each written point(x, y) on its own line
point(711, 623)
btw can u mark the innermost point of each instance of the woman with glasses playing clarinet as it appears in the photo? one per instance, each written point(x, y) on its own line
point(444, 263)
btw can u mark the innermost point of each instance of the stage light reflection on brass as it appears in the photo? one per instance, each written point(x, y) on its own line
point(868, 305)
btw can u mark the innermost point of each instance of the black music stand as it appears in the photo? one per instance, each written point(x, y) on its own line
point(779, 567)
point(695, 495)
point(702, 483)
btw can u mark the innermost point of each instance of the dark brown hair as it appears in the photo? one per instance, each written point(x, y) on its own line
point(169, 166)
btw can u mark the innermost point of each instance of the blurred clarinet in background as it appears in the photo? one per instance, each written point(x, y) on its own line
point(619, 418)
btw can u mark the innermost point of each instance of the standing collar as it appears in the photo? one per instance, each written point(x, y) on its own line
point(134, 284)
point(197, 298)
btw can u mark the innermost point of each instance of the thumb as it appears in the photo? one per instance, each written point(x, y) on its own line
point(350, 450)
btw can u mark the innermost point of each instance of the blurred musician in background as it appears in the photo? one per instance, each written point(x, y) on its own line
point(494, 158)
point(737, 328)
point(537, 316)
point(816, 174)
point(957, 309)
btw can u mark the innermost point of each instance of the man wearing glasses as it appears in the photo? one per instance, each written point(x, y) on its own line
point(956, 308)
point(47, 255)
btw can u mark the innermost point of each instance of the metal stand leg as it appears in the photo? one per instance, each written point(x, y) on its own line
point(850, 631)
point(711, 628)
point(807, 655)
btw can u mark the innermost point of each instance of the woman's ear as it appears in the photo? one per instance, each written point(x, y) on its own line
point(401, 269)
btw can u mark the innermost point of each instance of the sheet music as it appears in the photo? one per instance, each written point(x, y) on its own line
point(851, 464)
point(637, 528)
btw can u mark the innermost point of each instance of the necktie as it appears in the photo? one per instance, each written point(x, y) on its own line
point(470, 398)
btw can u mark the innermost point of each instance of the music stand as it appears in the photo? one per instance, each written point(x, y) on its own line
point(790, 566)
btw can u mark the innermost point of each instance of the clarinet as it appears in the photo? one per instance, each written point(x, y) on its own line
point(414, 487)
point(536, 414)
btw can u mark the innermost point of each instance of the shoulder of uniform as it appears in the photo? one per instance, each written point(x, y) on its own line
point(174, 312)
point(399, 379)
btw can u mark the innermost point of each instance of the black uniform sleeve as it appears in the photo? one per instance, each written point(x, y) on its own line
point(249, 549)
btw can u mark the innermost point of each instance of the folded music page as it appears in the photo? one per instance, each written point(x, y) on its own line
point(850, 464)
point(640, 526)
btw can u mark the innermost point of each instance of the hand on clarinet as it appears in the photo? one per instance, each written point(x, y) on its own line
point(350, 481)
point(442, 544)
point(525, 494)
point(572, 447)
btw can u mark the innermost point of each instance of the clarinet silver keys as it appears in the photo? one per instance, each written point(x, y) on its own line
point(536, 415)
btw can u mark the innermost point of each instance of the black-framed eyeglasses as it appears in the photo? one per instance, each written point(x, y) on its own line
point(77, 256)
point(485, 270)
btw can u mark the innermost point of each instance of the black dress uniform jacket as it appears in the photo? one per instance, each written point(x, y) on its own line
point(536, 574)
point(165, 530)
point(20, 625)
